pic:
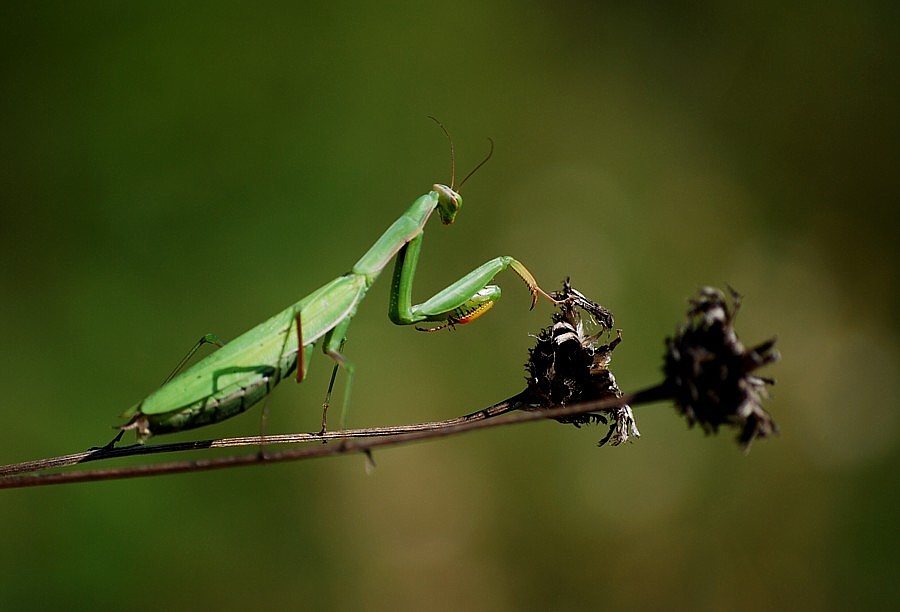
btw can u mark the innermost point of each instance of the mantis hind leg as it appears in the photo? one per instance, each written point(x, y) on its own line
point(206, 339)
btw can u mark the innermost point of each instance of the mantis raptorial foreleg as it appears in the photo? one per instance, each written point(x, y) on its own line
point(461, 302)
point(245, 370)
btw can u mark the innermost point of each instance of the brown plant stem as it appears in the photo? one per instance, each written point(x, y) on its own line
point(99, 454)
point(349, 441)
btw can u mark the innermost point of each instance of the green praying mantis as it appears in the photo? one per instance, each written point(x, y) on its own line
point(244, 371)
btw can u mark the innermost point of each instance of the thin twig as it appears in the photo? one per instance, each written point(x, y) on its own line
point(99, 454)
point(374, 437)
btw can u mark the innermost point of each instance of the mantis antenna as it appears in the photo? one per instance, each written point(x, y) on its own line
point(453, 156)
point(480, 164)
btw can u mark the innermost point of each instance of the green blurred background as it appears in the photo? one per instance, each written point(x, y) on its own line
point(167, 171)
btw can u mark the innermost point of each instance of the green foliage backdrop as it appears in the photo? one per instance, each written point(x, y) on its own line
point(167, 171)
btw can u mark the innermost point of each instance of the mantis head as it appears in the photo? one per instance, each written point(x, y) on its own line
point(448, 203)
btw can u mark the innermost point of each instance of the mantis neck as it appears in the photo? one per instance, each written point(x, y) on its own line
point(401, 231)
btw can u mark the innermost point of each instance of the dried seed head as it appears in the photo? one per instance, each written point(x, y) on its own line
point(568, 365)
point(709, 372)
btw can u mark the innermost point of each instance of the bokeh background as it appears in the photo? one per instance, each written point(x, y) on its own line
point(169, 170)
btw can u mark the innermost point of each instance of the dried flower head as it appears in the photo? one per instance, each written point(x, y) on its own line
point(568, 365)
point(709, 372)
